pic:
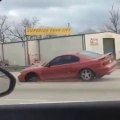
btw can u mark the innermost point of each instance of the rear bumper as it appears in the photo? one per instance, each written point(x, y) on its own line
point(106, 70)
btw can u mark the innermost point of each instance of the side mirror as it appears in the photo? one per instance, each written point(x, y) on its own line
point(7, 82)
point(48, 65)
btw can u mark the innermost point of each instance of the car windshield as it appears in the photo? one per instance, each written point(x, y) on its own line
point(51, 46)
point(91, 54)
point(44, 64)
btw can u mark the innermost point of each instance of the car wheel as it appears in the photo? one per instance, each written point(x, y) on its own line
point(31, 78)
point(86, 75)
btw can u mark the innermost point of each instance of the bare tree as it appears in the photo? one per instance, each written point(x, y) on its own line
point(4, 27)
point(104, 29)
point(17, 33)
point(114, 18)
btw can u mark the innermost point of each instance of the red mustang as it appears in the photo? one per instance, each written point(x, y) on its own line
point(85, 65)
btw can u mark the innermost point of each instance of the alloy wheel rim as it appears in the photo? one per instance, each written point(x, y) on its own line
point(86, 75)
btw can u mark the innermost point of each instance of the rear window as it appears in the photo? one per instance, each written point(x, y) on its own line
point(90, 54)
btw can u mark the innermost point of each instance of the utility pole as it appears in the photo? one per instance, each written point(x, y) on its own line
point(68, 25)
point(2, 43)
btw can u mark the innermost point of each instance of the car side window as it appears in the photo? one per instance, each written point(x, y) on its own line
point(64, 60)
point(75, 59)
point(71, 59)
point(56, 61)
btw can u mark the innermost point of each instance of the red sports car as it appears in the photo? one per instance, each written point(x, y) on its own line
point(85, 66)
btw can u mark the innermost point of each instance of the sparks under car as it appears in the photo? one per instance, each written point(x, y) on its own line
point(85, 66)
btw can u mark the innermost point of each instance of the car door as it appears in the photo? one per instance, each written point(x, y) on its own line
point(59, 68)
point(74, 62)
point(55, 69)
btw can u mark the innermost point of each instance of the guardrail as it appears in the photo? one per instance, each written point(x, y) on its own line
point(14, 67)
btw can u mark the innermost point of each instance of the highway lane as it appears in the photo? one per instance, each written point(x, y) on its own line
point(108, 88)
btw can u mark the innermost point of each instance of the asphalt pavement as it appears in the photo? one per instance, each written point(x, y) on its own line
point(105, 89)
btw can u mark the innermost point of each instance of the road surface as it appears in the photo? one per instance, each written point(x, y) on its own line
point(108, 88)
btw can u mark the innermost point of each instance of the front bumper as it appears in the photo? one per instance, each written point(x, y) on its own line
point(21, 78)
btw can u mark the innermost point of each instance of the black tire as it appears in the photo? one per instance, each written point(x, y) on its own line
point(31, 77)
point(86, 75)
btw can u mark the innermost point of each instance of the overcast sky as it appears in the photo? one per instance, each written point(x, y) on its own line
point(81, 14)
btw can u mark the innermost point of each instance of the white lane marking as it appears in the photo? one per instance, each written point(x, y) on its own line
point(29, 100)
point(63, 102)
point(32, 102)
point(38, 101)
point(35, 101)
point(48, 102)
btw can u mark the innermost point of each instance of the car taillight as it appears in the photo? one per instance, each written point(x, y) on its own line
point(105, 63)
point(106, 59)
